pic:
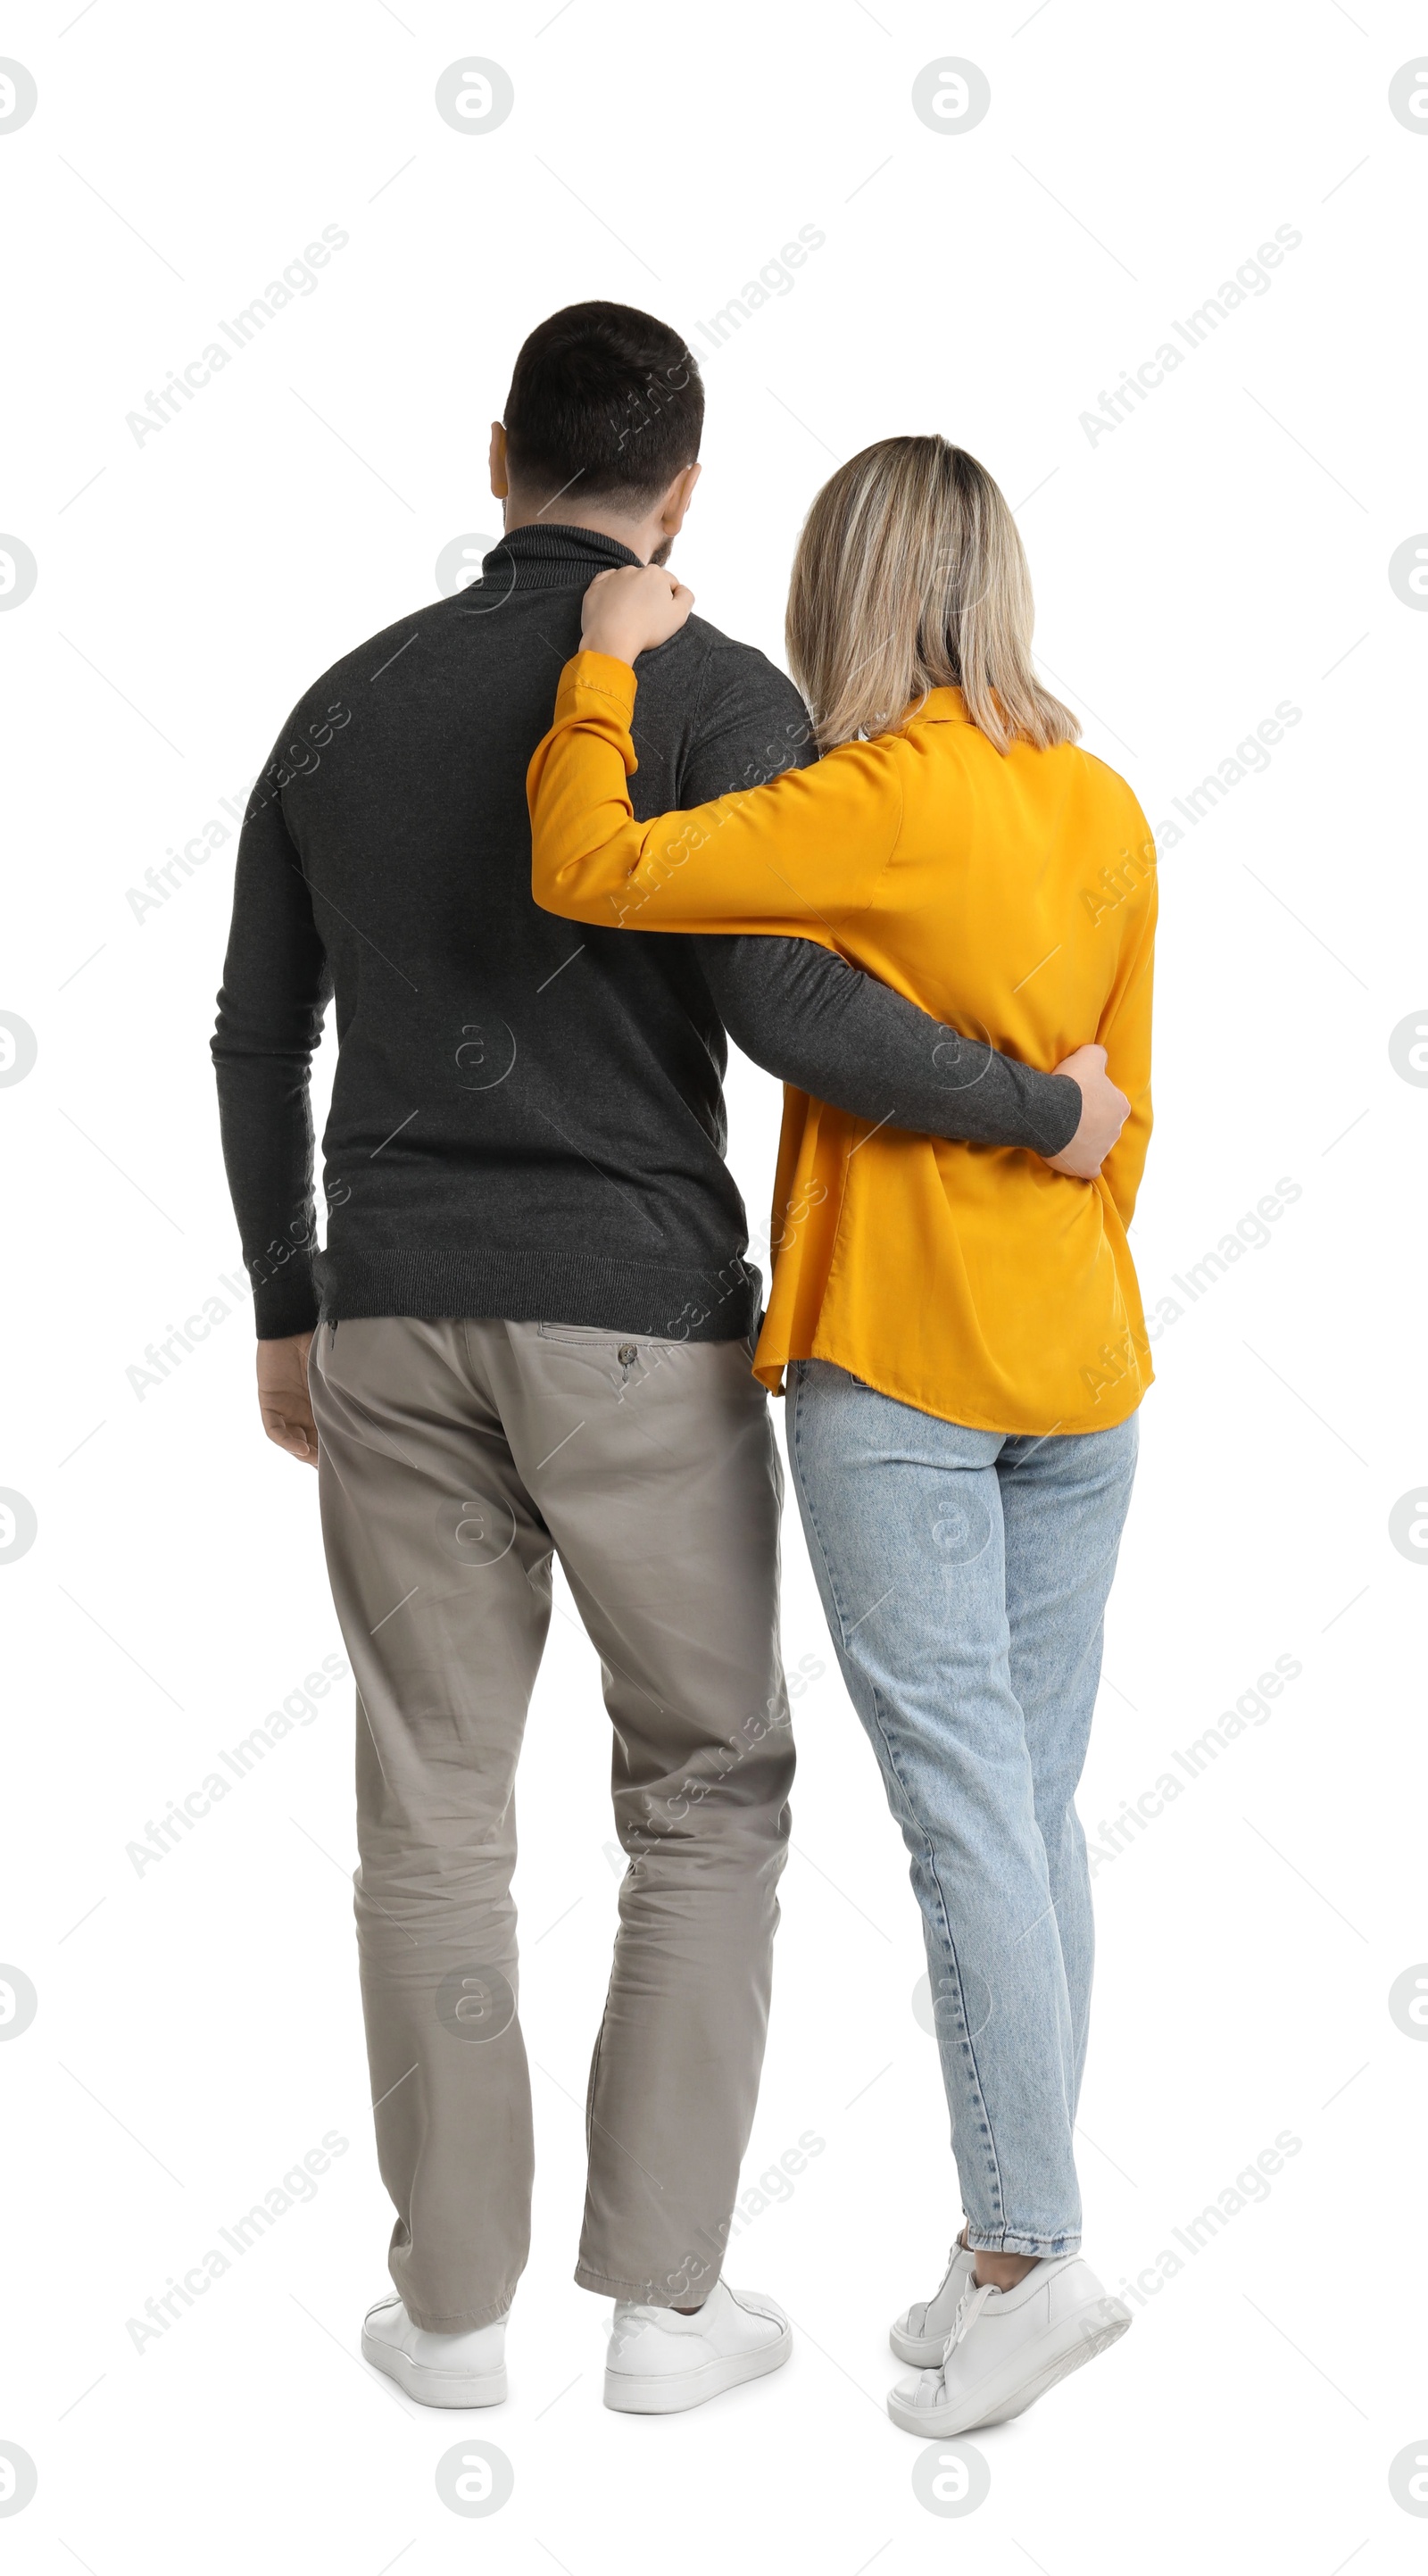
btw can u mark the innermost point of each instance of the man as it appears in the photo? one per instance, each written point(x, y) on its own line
point(534, 1337)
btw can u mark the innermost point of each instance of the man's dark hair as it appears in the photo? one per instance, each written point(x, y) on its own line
point(603, 399)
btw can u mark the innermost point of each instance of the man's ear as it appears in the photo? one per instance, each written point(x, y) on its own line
point(500, 476)
point(676, 501)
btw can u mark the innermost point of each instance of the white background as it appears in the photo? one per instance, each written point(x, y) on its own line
point(1222, 550)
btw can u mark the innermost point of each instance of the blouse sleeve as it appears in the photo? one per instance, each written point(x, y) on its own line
point(796, 856)
point(1125, 1034)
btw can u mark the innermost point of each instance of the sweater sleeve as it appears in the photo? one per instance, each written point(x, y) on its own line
point(275, 990)
point(800, 853)
point(804, 1014)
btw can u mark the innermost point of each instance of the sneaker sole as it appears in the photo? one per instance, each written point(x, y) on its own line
point(435, 2387)
point(672, 2393)
point(1011, 2390)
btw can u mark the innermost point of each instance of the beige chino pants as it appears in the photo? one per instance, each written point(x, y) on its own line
point(456, 1458)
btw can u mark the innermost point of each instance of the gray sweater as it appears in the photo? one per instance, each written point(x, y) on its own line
point(527, 1117)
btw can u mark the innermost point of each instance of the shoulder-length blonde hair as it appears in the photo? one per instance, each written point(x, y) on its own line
point(910, 576)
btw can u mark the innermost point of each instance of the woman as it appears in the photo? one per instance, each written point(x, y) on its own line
point(960, 1325)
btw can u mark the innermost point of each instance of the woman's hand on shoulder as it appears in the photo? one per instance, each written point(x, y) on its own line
point(632, 607)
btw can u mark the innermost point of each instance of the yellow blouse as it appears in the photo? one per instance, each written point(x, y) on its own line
point(1011, 895)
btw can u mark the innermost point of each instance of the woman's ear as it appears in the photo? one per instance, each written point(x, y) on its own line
point(500, 477)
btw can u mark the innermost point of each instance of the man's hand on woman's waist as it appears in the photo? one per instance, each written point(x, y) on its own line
point(1104, 1112)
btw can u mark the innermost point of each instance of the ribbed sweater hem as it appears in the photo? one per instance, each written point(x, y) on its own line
point(661, 1303)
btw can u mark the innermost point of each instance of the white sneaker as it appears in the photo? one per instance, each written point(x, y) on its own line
point(660, 2362)
point(920, 2333)
point(1007, 2347)
point(465, 2369)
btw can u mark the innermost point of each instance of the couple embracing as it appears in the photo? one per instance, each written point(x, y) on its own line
point(572, 837)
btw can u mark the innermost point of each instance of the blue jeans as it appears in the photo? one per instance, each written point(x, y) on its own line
point(964, 1575)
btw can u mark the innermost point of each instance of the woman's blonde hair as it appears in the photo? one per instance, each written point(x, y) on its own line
point(910, 576)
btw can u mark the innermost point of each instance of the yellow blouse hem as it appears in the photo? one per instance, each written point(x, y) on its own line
point(1118, 1406)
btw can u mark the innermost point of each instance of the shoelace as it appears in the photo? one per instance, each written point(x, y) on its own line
point(969, 2307)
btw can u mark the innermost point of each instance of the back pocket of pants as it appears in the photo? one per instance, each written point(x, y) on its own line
point(603, 1337)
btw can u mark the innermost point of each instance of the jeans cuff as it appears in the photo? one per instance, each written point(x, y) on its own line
point(1044, 2248)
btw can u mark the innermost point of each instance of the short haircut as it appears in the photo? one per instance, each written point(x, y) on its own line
point(603, 399)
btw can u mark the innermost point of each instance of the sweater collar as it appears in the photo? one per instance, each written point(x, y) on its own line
point(544, 557)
